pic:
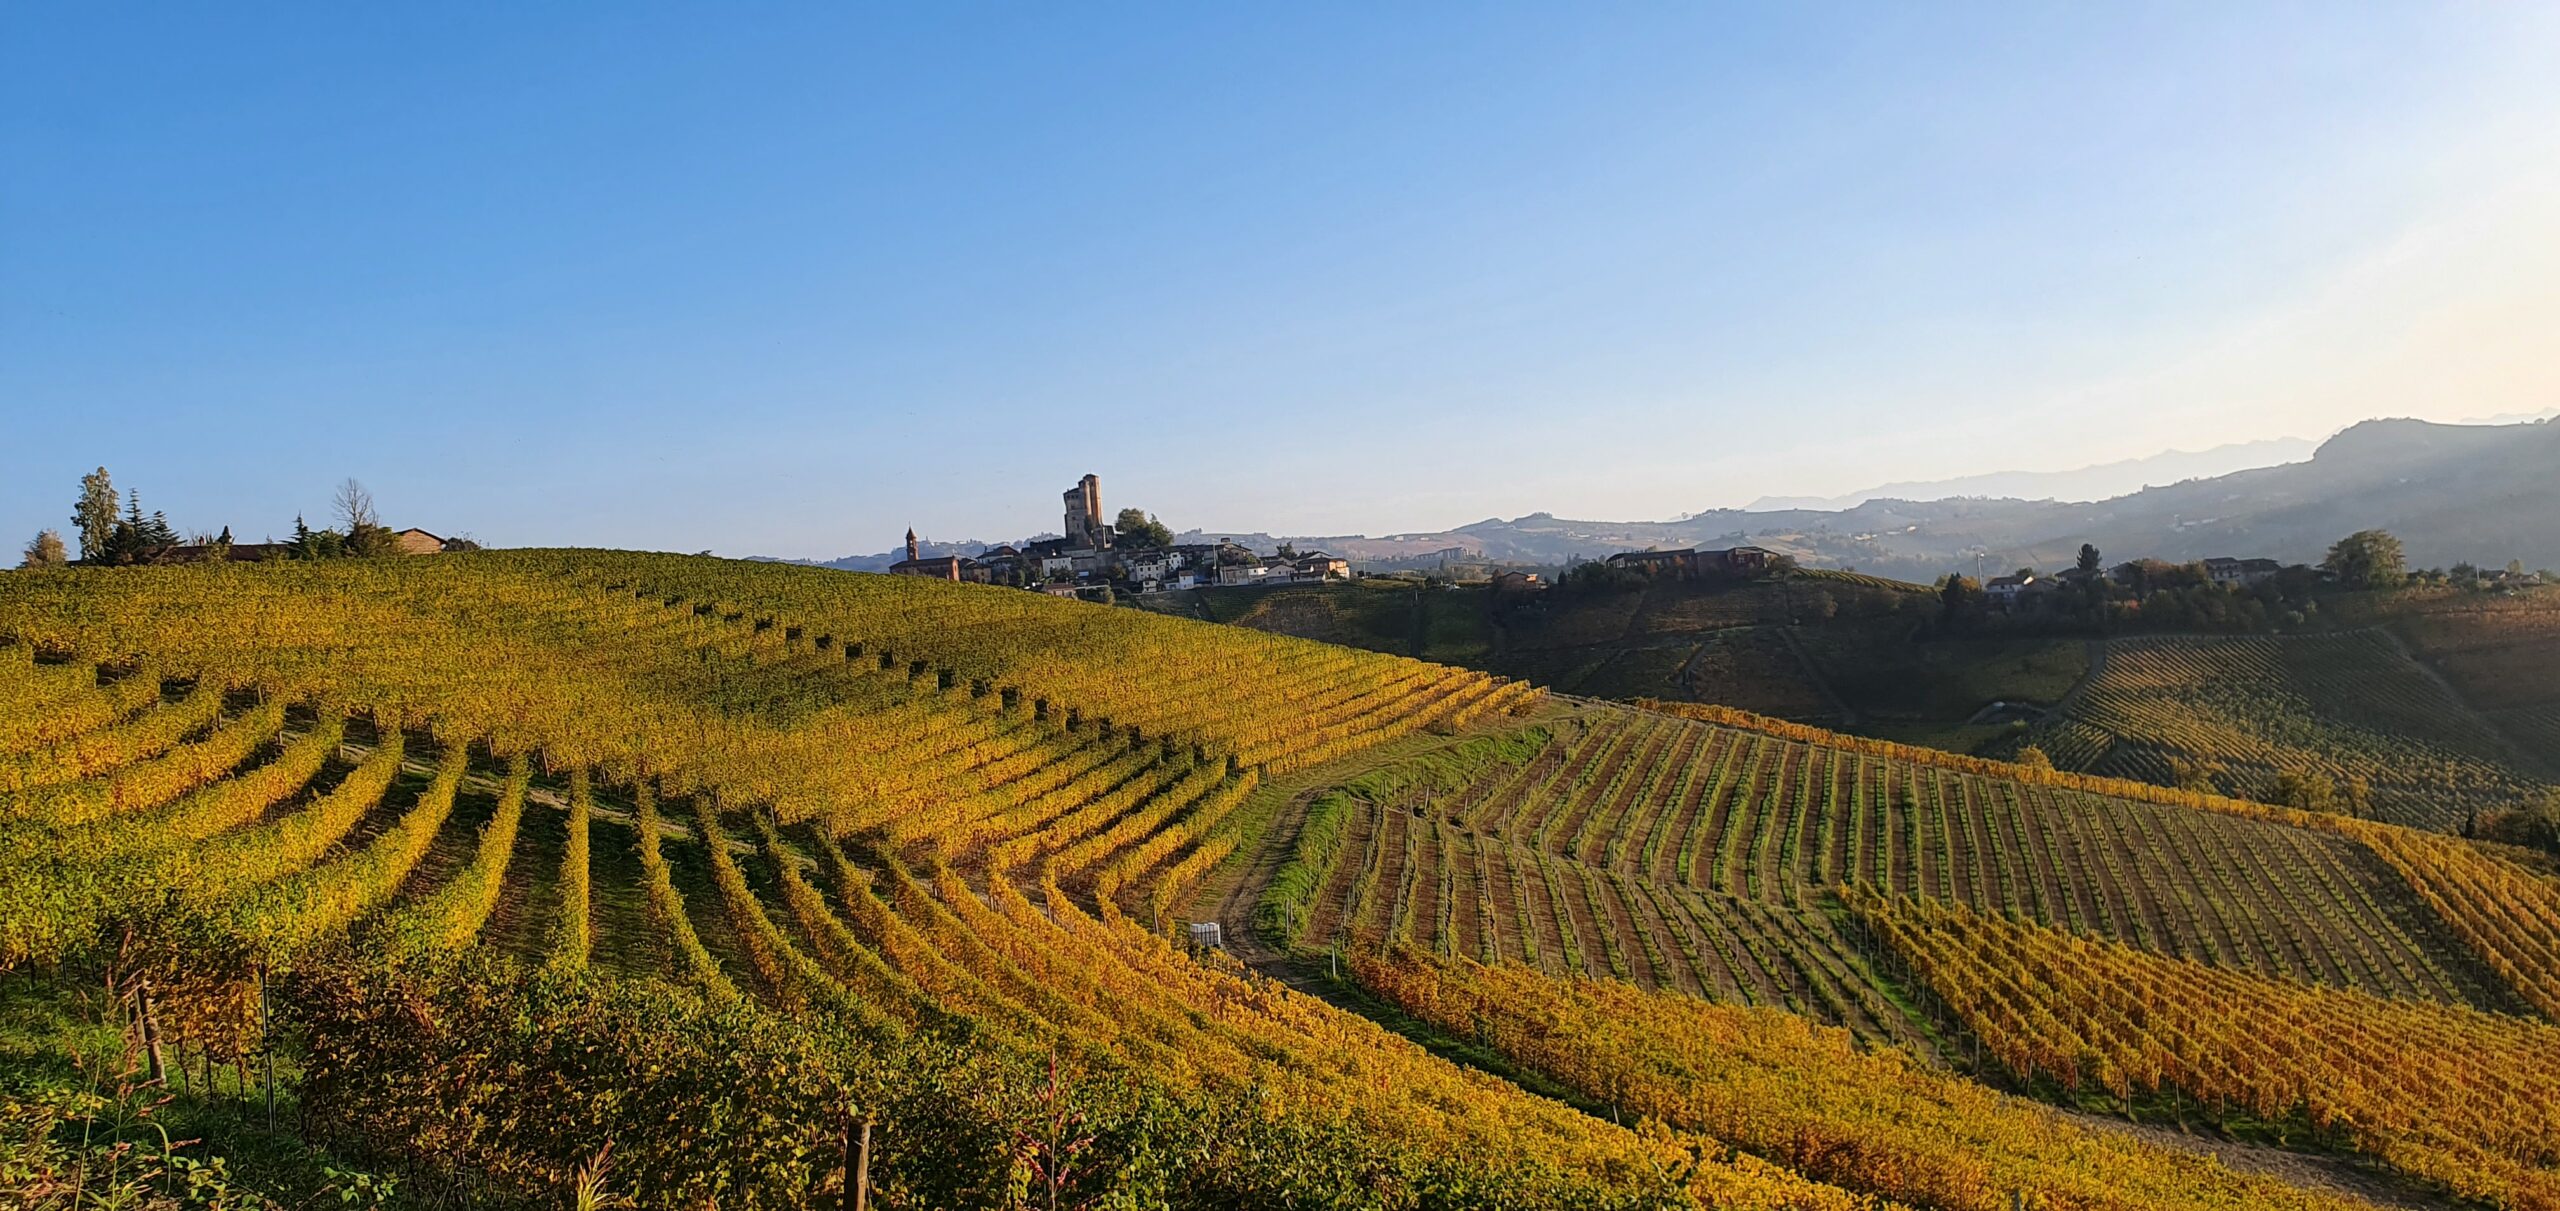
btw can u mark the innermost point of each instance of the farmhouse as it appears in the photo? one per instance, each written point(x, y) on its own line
point(2004, 591)
point(2225, 571)
point(414, 541)
point(1655, 561)
point(1317, 565)
point(1735, 561)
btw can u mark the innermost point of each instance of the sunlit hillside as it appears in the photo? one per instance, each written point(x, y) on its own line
point(918, 842)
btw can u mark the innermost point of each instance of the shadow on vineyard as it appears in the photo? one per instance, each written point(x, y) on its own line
point(540, 876)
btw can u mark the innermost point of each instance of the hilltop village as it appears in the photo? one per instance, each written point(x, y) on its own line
point(1135, 555)
point(1095, 559)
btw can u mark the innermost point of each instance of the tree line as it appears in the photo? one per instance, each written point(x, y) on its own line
point(2158, 595)
point(109, 537)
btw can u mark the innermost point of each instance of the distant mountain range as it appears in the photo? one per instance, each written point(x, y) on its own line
point(2452, 493)
point(2101, 482)
point(2479, 493)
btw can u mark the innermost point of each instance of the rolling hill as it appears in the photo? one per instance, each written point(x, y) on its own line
point(1738, 867)
point(2239, 715)
point(535, 852)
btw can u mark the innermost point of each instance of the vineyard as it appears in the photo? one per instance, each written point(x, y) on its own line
point(1623, 901)
point(1806, 1094)
point(1693, 857)
point(2501, 651)
point(893, 806)
point(2446, 1094)
point(931, 816)
point(2239, 716)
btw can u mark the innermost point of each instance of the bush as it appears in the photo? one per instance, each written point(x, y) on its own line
point(493, 1086)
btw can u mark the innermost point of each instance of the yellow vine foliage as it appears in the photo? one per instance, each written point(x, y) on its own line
point(1805, 1095)
point(2446, 1094)
point(2508, 914)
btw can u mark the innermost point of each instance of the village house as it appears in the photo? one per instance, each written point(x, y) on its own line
point(2225, 571)
point(1150, 565)
point(1089, 558)
point(414, 541)
point(1740, 561)
point(2005, 591)
point(1316, 565)
point(938, 567)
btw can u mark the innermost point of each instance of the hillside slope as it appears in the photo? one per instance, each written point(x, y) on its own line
point(890, 805)
point(2382, 736)
point(2500, 652)
point(1744, 862)
point(934, 819)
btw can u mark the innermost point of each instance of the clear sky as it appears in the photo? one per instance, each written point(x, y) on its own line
point(788, 279)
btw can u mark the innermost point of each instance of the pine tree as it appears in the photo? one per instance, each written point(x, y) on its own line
point(125, 544)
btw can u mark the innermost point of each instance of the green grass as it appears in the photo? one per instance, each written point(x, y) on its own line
point(57, 1040)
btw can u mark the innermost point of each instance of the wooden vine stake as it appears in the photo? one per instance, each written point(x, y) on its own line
point(267, 1045)
point(857, 1162)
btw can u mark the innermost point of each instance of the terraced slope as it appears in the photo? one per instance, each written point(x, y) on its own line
point(1688, 856)
point(929, 810)
point(1728, 870)
point(2351, 710)
point(1809, 1095)
point(898, 805)
point(2445, 1094)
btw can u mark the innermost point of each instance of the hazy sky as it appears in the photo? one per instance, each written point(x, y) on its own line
point(786, 280)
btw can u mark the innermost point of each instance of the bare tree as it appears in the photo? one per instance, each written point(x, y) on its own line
point(45, 551)
point(355, 508)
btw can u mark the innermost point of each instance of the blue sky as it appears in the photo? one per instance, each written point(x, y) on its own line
point(788, 279)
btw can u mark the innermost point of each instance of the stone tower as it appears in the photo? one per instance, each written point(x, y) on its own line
point(1084, 512)
point(912, 552)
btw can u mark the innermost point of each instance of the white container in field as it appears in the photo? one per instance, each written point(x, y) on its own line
point(1204, 934)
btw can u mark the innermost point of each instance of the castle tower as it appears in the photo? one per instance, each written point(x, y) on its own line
point(1084, 511)
point(912, 555)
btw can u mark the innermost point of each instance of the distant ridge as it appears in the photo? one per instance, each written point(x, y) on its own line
point(2101, 482)
point(2482, 493)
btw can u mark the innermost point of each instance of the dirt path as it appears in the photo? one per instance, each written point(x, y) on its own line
point(2350, 1176)
point(2527, 761)
point(2071, 697)
point(1234, 912)
point(1840, 707)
